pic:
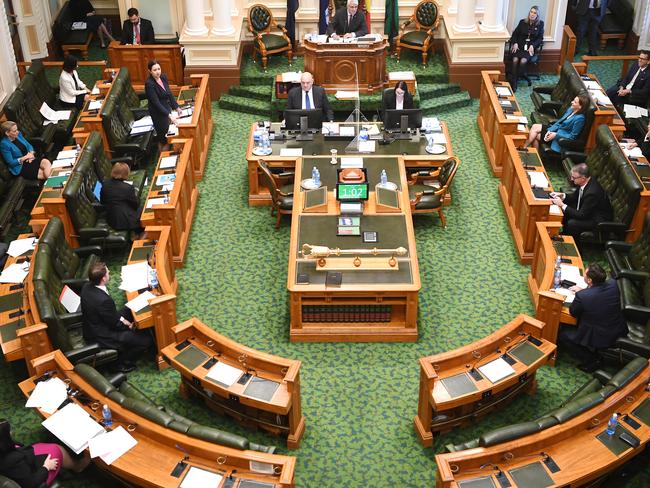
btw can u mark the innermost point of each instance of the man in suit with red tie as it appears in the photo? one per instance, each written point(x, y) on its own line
point(634, 89)
point(137, 30)
point(348, 22)
point(590, 15)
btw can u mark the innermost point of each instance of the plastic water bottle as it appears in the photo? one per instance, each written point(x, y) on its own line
point(107, 416)
point(611, 425)
point(317, 179)
point(557, 274)
point(78, 148)
point(383, 178)
point(363, 135)
point(314, 174)
point(153, 278)
point(266, 143)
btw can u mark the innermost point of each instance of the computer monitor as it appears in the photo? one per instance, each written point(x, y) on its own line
point(303, 121)
point(402, 121)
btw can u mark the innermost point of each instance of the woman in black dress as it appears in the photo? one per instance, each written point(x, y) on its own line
point(83, 11)
point(121, 203)
point(525, 42)
point(161, 102)
point(398, 98)
point(31, 466)
point(19, 155)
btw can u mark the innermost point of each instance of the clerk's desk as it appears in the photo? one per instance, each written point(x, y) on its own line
point(369, 305)
point(159, 449)
point(412, 151)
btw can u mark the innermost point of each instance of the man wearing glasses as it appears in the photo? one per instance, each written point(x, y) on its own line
point(585, 207)
point(634, 89)
point(348, 22)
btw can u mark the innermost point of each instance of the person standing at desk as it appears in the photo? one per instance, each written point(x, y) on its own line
point(103, 324)
point(137, 30)
point(526, 40)
point(348, 22)
point(398, 98)
point(600, 319)
point(161, 102)
point(309, 97)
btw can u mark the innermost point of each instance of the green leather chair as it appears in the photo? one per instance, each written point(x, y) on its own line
point(631, 259)
point(266, 43)
point(131, 398)
point(427, 192)
point(71, 265)
point(281, 189)
point(550, 156)
point(426, 17)
point(40, 136)
point(551, 101)
point(90, 227)
point(133, 98)
point(11, 197)
point(63, 328)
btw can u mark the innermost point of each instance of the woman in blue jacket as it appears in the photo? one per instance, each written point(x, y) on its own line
point(569, 126)
point(19, 155)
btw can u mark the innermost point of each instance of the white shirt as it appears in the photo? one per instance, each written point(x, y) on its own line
point(399, 103)
point(67, 91)
point(631, 83)
point(580, 189)
point(105, 290)
point(311, 99)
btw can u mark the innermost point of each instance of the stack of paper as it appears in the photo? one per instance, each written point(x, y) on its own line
point(54, 115)
point(168, 161)
point(141, 301)
point(157, 201)
point(503, 91)
point(346, 130)
point(15, 273)
point(111, 445)
point(95, 90)
point(351, 162)
point(48, 395)
point(346, 95)
point(165, 179)
point(592, 85)
point(633, 153)
point(367, 146)
point(330, 128)
point(145, 124)
point(600, 97)
point(538, 179)
point(73, 426)
point(431, 123)
point(572, 273)
point(95, 104)
point(200, 478)
point(568, 294)
point(224, 373)
point(135, 276)
point(63, 163)
point(496, 370)
point(21, 246)
point(69, 299)
point(634, 112)
point(291, 77)
point(172, 130)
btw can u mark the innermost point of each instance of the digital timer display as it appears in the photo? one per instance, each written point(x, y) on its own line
point(351, 191)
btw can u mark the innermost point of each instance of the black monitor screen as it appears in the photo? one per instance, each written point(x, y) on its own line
point(292, 118)
point(393, 118)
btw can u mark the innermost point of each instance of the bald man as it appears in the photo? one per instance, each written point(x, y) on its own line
point(309, 97)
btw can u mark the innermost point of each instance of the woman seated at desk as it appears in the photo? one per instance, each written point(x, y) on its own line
point(121, 202)
point(569, 126)
point(398, 98)
point(32, 466)
point(19, 155)
point(525, 43)
point(72, 91)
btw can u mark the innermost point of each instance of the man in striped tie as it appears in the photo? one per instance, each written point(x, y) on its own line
point(585, 207)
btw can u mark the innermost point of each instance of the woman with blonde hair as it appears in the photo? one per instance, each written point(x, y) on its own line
point(525, 42)
point(19, 154)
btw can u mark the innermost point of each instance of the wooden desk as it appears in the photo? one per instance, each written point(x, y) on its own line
point(550, 306)
point(178, 211)
point(412, 151)
point(450, 396)
point(250, 402)
point(369, 306)
point(333, 65)
point(522, 209)
point(493, 123)
point(135, 59)
point(161, 311)
point(200, 127)
point(572, 445)
point(150, 462)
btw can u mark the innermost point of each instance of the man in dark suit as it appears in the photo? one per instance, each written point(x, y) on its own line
point(348, 22)
point(308, 96)
point(634, 89)
point(600, 319)
point(103, 324)
point(585, 207)
point(590, 15)
point(137, 30)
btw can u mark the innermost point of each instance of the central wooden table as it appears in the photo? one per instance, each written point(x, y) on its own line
point(369, 305)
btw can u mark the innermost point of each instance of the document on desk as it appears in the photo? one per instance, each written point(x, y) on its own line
point(63, 163)
point(568, 294)
point(538, 179)
point(48, 395)
point(634, 111)
point(140, 302)
point(95, 90)
point(200, 478)
point(330, 128)
point(496, 370)
point(54, 115)
point(111, 445)
point(291, 77)
point(73, 426)
point(135, 276)
point(168, 161)
point(295, 152)
point(438, 138)
point(347, 130)
point(572, 273)
point(224, 373)
point(503, 91)
point(367, 146)
point(67, 154)
point(635, 152)
point(592, 85)
point(346, 95)
point(157, 201)
point(141, 130)
point(554, 210)
point(165, 179)
point(15, 273)
point(95, 104)
point(351, 162)
point(19, 247)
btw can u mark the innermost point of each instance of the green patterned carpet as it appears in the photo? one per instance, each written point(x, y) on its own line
point(359, 400)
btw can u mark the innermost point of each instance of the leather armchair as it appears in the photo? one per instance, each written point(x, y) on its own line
point(631, 260)
point(261, 24)
point(91, 228)
point(40, 136)
point(559, 95)
point(281, 189)
point(71, 265)
point(426, 17)
point(635, 302)
point(11, 197)
point(427, 191)
point(548, 155)
point(63, 328)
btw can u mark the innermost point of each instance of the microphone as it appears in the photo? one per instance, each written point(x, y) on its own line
point(182, 449)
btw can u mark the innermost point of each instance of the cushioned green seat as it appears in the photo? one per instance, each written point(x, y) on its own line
point(117, 396)
point(631, 260)
point(635, 302)
point(428, 201)
point(11, 197)
point(414, 38)
point(546, 422)
point(628, 373)
point(607, 391)
point(132, 391)
point(471, 444)
point(425, 19)
point(30, 125)
point(261, 24)
point(577, 406)
point(217, 436)
point(95, 378)
point(507, 433)
point(273, 41)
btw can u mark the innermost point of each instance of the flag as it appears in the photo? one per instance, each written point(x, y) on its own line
point(323, 16)
point(391, 24)
point(292, 6)
point(367, 11)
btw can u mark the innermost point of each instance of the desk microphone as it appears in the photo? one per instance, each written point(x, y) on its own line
point(182, 449)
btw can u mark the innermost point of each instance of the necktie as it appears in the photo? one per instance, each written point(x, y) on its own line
point(579, 198)
point(631, 83)
point(137, 33)
point(307, 102)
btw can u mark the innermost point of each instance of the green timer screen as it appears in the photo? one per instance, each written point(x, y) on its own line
point(356, 191)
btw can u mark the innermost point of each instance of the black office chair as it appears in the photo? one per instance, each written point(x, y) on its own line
point(533, 62)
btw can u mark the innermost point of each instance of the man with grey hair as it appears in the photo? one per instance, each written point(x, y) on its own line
point(348, 22)
point(585, 207)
